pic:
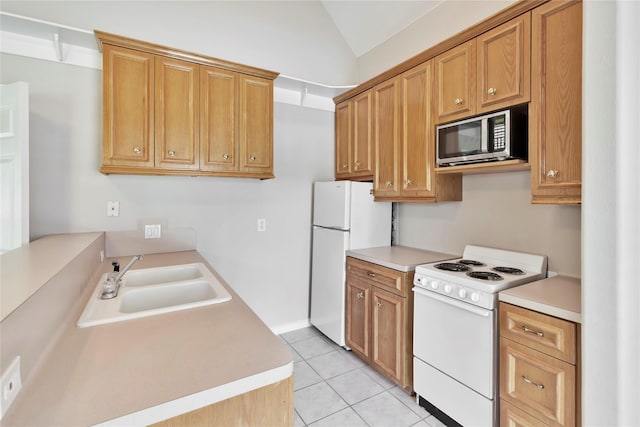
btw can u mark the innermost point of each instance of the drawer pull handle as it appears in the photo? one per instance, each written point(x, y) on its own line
point(528, 381)
point(370, 274)
point(360, 295)
point(531, 331)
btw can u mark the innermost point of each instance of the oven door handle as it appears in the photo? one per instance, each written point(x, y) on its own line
point(461, 305)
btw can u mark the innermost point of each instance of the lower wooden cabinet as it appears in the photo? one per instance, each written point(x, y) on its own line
point(539, 369)
point(271, 405)
point(379, 319)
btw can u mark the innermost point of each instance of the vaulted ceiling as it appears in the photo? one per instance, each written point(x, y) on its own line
point(365, 24)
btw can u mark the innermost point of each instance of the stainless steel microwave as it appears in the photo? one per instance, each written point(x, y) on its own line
point(501, 135)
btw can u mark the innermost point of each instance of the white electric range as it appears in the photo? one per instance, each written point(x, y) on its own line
point(455, 341)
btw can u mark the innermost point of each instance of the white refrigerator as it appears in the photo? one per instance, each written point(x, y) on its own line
point(345, 217)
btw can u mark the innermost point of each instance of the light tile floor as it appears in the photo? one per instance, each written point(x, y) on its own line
point(333, 387)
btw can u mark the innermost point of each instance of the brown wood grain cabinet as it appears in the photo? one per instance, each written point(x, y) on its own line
point(379, 319)
point(404, 141)
point(267, 406)
point(170, 112)
point(485, 74)
point(539, 369)
point(354, 140)
point(555, 113)
point(455, 82)
point(504, 65)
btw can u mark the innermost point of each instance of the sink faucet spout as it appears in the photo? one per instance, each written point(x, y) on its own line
point(128, 266)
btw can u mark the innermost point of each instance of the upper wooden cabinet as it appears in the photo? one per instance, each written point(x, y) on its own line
point(555, 113)
point(487, 73)
point(405, 141)
point(354, 143)
point(504, 65)
point(128, 108)
point(455, 82)
point(166, 111)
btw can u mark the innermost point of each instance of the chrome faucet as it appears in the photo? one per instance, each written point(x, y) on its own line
point(111, 286)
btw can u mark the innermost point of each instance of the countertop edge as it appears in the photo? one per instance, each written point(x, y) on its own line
point(542, 308)
point(204, 398)
point(395, 257)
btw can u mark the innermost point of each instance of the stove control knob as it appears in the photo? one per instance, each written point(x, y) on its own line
point(448, 288)
point(475, 297)
point(462, 293)
point(433, 284)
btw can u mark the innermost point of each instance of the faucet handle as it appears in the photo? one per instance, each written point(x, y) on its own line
point(116, 266)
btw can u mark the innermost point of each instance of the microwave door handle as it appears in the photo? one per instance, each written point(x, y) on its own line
point(485, 137)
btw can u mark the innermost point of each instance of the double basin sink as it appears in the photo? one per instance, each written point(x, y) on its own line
point(151, 291)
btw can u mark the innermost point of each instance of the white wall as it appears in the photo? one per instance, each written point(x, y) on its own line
point(294, 38)
point(611, 197)
point(447, 19)
point(270, 270)
point(496, 211)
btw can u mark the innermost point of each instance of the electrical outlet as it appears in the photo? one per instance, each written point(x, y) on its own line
point(10, 385)
point(152, 231)
point(262, 224)
point(113, 208)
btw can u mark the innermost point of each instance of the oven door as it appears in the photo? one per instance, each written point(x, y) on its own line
point(454, 344)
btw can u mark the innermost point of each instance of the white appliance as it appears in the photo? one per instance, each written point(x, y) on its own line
point(345, 217)
point(455, 335)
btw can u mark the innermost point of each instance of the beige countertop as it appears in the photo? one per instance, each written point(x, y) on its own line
point(402, 258)
point(145, 370)
point(558, 296)
point(32, 265)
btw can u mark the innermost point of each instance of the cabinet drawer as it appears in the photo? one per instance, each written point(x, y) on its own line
point(540, 385)
point(382, 277)
point(510, 416)
point(550, 335)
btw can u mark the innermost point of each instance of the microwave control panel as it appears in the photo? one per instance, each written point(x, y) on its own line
point(499, 133)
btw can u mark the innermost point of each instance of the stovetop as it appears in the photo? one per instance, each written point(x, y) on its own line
point(480, 274)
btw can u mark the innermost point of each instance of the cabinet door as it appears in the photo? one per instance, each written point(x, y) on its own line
point(256, 125)
point(387, 139)
point(387, 334)
point(418, 145)
point(128, 108)
point(456, 82)
point(504, 65)
point(218, 120)
point(358, 317)
point(362, 139)
point(538, 384)
point(555, 113)
point(511, 416)
point(344, 135)
point(176, 115)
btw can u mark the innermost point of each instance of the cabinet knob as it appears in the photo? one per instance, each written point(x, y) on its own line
point(171, 153)
point(458, 101)
point(389, 184)
point(553, 173)
point(345, 166)
point(252, 158)
point(409, 182)
point(360, 295)
point(357, 166)
point(137, 150)
point(371, 274)
point(492, 91)
point(225, 157)
point(379, 304)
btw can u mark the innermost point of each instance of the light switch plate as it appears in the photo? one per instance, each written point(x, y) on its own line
point(152, 231)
